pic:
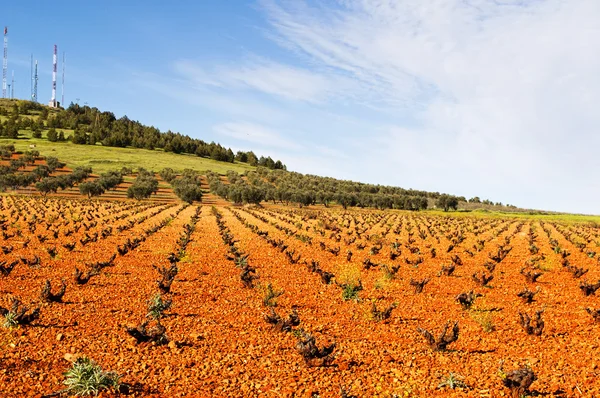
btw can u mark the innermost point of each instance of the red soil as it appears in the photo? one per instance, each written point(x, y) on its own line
point(222, 346)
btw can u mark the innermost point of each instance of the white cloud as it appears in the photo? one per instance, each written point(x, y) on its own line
point(504, 94)
point(203, 97)
point(256, 134)
point(264, 76)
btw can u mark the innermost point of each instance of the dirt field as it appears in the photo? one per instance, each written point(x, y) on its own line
point(218, 342)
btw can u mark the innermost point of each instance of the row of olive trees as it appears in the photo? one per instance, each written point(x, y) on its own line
point(310, 189)
point(237, 191)
point(107, 181)
point(51, 184)
point(256, 189)
point(12, 178)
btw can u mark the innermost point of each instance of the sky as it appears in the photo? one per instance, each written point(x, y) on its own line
point(491, 98)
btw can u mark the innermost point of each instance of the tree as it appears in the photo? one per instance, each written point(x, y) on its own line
point(79, 137)
point(187, 190)
point(252, 159)
point(91, 188)
point(144, 185)
point(36, 132)
point(11, 130)
point(52, 135)
point(168, 174)
point(234, 194)
point(47, 185)
point(253, 195)
point(28, 157)
point(241, 157)
point(110, 180)
point(53, 163)
point(447, 202)
point(41, 171)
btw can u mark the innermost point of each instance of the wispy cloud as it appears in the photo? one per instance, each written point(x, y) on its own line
point(505, 87)
point(256, 134)
point(265, 76)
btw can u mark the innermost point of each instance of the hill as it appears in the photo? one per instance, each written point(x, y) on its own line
point(30, 123)
point(89, 138)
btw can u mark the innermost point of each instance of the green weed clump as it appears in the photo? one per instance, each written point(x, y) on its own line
point(87, 378)
point(156, 306)
point(270, 296)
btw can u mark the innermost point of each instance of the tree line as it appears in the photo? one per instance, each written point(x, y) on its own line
point(264, 185)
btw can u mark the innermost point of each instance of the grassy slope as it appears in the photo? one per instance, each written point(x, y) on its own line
point(102, 159)
point(568, 218)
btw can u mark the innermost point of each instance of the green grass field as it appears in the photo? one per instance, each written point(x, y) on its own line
point(563, 217)
point(102, 159)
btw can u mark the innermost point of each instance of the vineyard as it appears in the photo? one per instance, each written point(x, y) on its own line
point(180, 299)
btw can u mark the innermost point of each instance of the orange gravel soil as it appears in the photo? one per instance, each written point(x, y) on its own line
point(220, 344)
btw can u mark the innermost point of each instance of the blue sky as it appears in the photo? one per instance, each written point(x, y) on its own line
point(473, 97)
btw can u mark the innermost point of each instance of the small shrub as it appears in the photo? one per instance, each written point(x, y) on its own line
point(87, 378)
point(5, 270)
point(351, 291)
point(486, 321)
point(81, 278)
point(527, 295)
point(576, 272)
point(167, 277)
point(466, 300)
point(589, 289)
point(594, 313)
point(533, 325)
point(382, 315)
point(530, 275)
point(448, 269)
point(419, 285)
point(349, 279)
point(156, 306)
point(452, 381)
point(270, 296)
point(314, 356)
point(518, 381)
point(482, 279)
point(445, 337)
point(390, 272)
point(247, 276)
point(47, 296)
point(143, 334)
point(283, 325)
point(17, 314)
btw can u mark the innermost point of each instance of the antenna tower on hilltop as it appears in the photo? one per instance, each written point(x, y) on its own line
point(34, 97)
point(62, 97)
point(5, 62)
point(53, 103)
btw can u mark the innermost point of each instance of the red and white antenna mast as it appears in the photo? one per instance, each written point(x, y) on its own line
point(53, 101)
point(5, 62)
point(54, 68)
point(62, 97)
